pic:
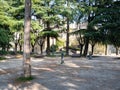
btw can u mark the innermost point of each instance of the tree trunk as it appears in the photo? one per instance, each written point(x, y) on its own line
point(106, 49)
point(93, 48)
point(20, 46)
point(8, 48)
point(48, 37)
point(41, 49)
point(33, 48)
point(86, 47)
point(81, 49)
point(27, 25)
point(48, 46)
point(117, 51)
point(67, 38)
point(16, 48)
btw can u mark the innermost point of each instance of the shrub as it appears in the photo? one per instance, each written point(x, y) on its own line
point(53, 48)
point(24, 79)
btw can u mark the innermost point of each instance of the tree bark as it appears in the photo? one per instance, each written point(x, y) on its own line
point(41, 49)
point(117, 51)
point(26, 53)
point(86, 47)
point(93, 48)
point(33, 48)
point(106, 49)
point(67, 38)
point(16, 48)
point(48, 46)
point(81, 49)
point(48, 37)
point(20, 46)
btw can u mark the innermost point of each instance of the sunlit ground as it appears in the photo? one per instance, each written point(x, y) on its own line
point(98, 73)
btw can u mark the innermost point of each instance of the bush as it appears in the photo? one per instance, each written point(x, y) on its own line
point(3, 52)
point(9, 52)
point(53, 48)
point(24, 79)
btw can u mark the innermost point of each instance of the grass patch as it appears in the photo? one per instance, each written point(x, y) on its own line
point(24, 79)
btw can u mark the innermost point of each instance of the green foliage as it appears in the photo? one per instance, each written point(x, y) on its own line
point(50, 33)
point(107, 21)
point(4, 38)
point(101, 14)
point(24, 79)
point(53, 48)
point(3, 52)
point(60, 42)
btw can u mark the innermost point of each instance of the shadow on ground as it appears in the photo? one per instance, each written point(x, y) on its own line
point(99, 73)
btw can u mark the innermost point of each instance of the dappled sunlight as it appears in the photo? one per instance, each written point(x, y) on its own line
point(69, 84)
point(72, 65)
point(72, 75)
point(80, 79)
point(33, 86)
point(2, 71)
point(6, 71)
point(63, 77)
point(10, 86)
point(43, 69)
point(86, 66)
point(37, 86)
point(76, 78)
point(3, 61)
point(37, 60)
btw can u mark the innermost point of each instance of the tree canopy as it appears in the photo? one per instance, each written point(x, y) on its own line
point(50, 16)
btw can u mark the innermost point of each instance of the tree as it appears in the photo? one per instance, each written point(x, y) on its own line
point(68, 14)
point(41, 41)
point(16, 12)
point(27, 26)
point(48, 12)
point(90, 16)
point(107, 17)
point(94, 36)
point(5, 23)
point(34, 34)
point(80, 38)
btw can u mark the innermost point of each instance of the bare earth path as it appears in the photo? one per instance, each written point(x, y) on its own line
point(100, 73)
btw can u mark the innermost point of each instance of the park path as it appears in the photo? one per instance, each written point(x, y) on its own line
point(99, 73)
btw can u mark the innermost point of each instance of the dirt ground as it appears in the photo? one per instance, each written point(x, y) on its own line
point(98, 73)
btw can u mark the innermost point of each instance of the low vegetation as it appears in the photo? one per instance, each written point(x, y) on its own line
point(24, 79)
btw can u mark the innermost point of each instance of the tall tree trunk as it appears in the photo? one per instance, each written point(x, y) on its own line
point(33, 48)
point(41, 49)
point(20, 46)
point(117, 50)
point(93, 45)
point(16, 48)
point(48, 37)
point(67, 38)
point(106, 49)
point(81, 49)
point(86, 46)
point(27, 25)
point(8, 47)
point(48, 45)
